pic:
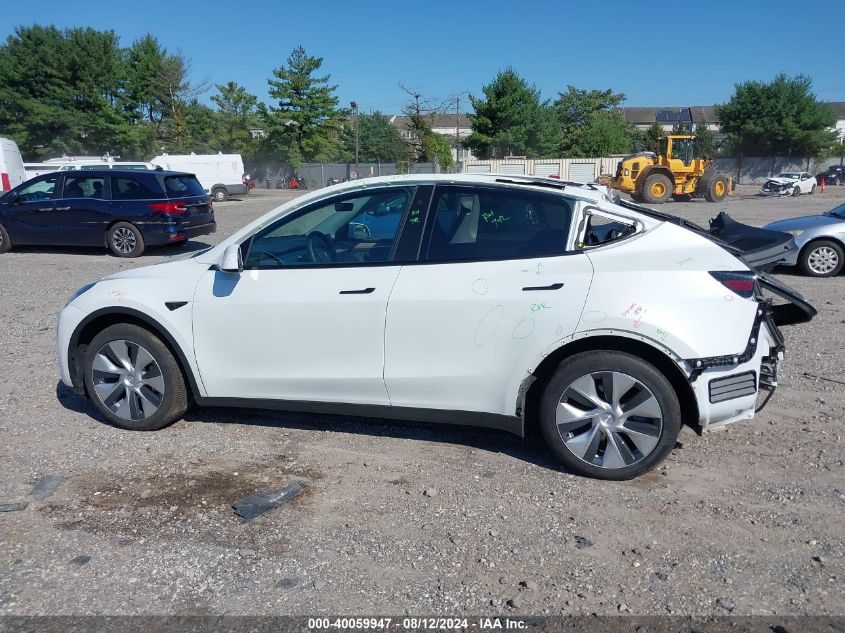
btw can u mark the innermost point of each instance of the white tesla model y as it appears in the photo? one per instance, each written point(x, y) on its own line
point(470, 299)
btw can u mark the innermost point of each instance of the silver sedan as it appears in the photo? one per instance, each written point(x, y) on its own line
point(819, 249)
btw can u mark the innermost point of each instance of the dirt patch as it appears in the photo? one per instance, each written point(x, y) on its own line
point(166, 503)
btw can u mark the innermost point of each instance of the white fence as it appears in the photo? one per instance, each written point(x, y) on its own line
point(571, 169)
point(745, 170)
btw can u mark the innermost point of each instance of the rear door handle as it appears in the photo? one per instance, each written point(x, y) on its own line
point(62, 208)
point(557, 286)
point(364, 291)
point(45, 208)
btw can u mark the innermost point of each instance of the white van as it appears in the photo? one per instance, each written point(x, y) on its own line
point(221, 175)
point(12, 172)
point(65, 164)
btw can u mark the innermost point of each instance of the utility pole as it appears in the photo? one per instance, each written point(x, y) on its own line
point(457, 128)
point(354, 105)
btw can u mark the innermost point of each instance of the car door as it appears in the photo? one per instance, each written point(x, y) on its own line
point(495, 288)
point(83, 209)
point(806, 183)
point(30, 211)
point(304, 321)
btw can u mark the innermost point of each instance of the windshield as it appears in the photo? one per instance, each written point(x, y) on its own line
point(789, 174)
point(838, 212)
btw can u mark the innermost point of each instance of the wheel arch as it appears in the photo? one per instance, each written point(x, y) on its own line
point(99, 320)
point(529, 399)
point(655, 169)
point(822, 238)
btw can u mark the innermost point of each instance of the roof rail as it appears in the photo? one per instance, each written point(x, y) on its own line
point(547, 182)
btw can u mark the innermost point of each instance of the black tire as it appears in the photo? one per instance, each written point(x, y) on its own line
point(220, 194)
point(636, 197)
point(656, 188)
point(682, 197)
point(821, 250)
point(174, 402)
point(714, 186)
point(796, 191)
point(586, 363)
point(125, 240)
point(5, 240)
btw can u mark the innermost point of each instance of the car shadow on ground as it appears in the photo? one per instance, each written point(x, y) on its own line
point(531, 449)
point(161, 249)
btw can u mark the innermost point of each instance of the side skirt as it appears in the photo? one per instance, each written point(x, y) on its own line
point(512, 424)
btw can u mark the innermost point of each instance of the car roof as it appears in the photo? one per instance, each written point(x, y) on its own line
point(124, 172)
point(588, 191)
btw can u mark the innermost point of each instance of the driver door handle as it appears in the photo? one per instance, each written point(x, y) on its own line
point(45, 208)
point(556, 286)
point(364, 291)
point(62, 208)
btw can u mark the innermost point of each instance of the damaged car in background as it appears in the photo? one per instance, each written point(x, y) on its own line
point(789, 183)
point(478, 299)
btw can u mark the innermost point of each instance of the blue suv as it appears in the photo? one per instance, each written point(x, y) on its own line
point(124, 210)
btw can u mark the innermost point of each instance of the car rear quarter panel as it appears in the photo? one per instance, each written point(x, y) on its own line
point(657, 287)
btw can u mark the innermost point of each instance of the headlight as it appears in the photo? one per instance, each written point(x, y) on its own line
point(79, 292)
point(625, 172)
point(795, 232)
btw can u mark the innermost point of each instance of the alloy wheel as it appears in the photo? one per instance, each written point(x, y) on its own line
point(124, 240)
point(823, 260)
point(609, 419)
point(128, 380)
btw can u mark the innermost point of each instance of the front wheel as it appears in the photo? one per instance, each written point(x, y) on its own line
point(125, 240)
point(5, 240)
point(657, 188)
point(609, 415)
point(796, 190)
point(823, 258)
point(133, 379)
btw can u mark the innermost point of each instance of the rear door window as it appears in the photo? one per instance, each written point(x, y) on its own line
point(472, 223)
point(124, 188)
point(179, 186)
point(84, 187)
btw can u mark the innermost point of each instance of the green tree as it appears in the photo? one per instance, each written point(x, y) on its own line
point(706, 140)
point(782, 117)
point(378, 140)
point(236, 113)
point(590, 123)
point(425, 146)
point(509, 119)
point(651, 138)
point(305, 124)
point(59, 91)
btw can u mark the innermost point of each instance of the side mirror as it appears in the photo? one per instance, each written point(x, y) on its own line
point(232, 261)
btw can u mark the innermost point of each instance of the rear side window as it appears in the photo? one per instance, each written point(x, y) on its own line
point(485, 223)
point(177, 186)
point(132, 189)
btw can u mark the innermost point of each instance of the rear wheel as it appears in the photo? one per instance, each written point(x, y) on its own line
point(656, 189)
point(133, 379)
point(5, 240)
point(823, 258)
point(813, 189)
point(220, 194)
point(609, 415)
point(125, 240)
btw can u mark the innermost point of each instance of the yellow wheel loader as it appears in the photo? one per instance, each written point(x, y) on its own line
point(675, 171)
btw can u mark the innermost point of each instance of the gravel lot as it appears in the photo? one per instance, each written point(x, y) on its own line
point(409, 518)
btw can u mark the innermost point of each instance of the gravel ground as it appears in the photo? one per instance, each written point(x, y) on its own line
point(409, 518)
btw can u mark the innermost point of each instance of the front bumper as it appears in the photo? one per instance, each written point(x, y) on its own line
point(784, 190)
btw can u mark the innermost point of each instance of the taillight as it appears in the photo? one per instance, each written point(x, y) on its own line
point(739, 282)
point(7, 184)
point(168, 207)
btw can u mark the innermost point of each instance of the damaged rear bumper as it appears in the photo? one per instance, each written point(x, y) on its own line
point(727, 388)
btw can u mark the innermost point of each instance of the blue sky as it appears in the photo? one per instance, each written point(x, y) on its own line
point(659, 54)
